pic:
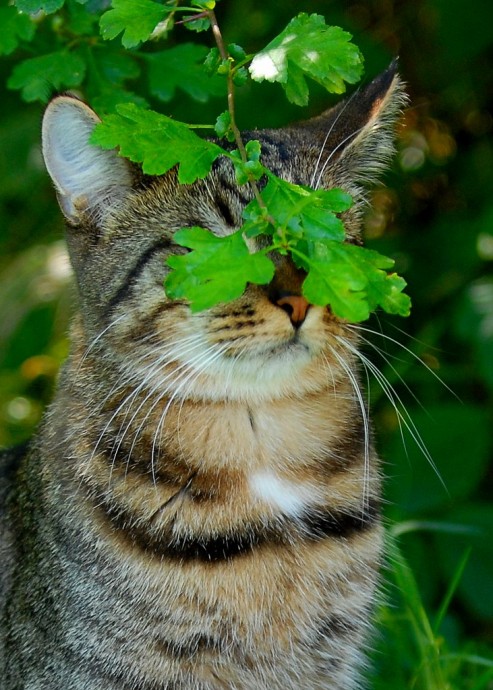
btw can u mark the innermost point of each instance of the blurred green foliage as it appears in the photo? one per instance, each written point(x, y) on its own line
point(434, 216)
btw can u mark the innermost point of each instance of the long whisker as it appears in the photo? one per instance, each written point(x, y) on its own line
point(159, 386)
point(142, 385)
point(333, 152)
point(360, 328)
point(404, 418)
point(364, 415)
point(199, 367)
point(322, 148)
point(93, 343)
point(127, 380)
point(386, 359)
point(163, 391)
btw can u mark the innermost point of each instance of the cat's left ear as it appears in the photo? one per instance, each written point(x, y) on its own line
point(354, 142)
point(89, 181)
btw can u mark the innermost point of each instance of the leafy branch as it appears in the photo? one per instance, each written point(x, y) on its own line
point(297, 221)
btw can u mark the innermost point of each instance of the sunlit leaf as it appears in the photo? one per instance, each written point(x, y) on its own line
point(156, 141)
point(137, 20)
point(308, 48)
point(216, 271)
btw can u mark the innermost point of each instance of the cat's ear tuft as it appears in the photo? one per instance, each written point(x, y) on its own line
point(355, 139)
point(89, 182)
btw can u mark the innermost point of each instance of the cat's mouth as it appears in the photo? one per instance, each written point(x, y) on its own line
point(292, 347)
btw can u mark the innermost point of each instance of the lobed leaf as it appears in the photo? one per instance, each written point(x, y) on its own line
point(116, 66)
point(302, 211)
point(81, 20)
point(182, 67)
point(34, 6)
point(353, 281)
point(218, 269)
point(137, 19)
point(16, 27)
point(38, 77)
point(307, 47)
point(110, 97)
point(156, 141)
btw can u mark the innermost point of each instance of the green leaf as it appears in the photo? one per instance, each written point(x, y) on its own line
point(223, 126)
point(156, 141)
point(15, 27)
point(39, 76)
point(250, 169)
point(303, 211)
point(137, 19)
point(204, 4)
point(33, 6)
point(115, 66)
point(240, 76)
point(236, 52)
point(110, 97)
point(307, 47)
point(332, 281)
point(81, 20)
point(182, 68)
point(198, 25)
point(217, 271)
point(212, 61)
point(352, 280)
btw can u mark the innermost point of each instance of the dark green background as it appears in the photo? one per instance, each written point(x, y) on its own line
point(435, 217)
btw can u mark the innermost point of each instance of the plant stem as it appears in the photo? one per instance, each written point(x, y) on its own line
point(216, 31)
point(187, 20)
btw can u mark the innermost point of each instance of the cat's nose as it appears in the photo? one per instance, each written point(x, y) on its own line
point(296, 306)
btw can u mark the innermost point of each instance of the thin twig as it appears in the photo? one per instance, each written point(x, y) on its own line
point(216, 31)
point(202, 15)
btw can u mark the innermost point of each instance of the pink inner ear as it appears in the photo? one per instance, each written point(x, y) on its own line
point(376, 108)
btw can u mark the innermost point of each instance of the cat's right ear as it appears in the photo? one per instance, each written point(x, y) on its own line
point(89, 181)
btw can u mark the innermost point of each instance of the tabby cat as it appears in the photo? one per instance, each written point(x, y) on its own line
point(200, 508)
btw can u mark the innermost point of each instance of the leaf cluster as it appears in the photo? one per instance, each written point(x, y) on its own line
point(298, 221)
point(84, 52)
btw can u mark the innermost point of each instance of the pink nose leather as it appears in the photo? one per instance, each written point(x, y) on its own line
point(296, 306)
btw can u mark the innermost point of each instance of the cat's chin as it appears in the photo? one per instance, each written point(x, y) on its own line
point(289, 369)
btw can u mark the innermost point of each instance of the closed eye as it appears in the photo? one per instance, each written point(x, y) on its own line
point(225, 211)
point(131, 276)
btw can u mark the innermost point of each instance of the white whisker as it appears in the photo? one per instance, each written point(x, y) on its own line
point(409, 351)
point(334, 151)
point(404, 418)
point(331, 129)
point(151, 370)
point(93, 343)
point(364, 415)
point(200, 365)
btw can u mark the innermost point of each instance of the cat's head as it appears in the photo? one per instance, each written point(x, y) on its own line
point(120, 226)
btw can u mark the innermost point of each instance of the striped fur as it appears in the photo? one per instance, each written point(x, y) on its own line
point(200, 509)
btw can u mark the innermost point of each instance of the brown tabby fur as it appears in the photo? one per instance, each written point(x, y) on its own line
point(199, 509)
